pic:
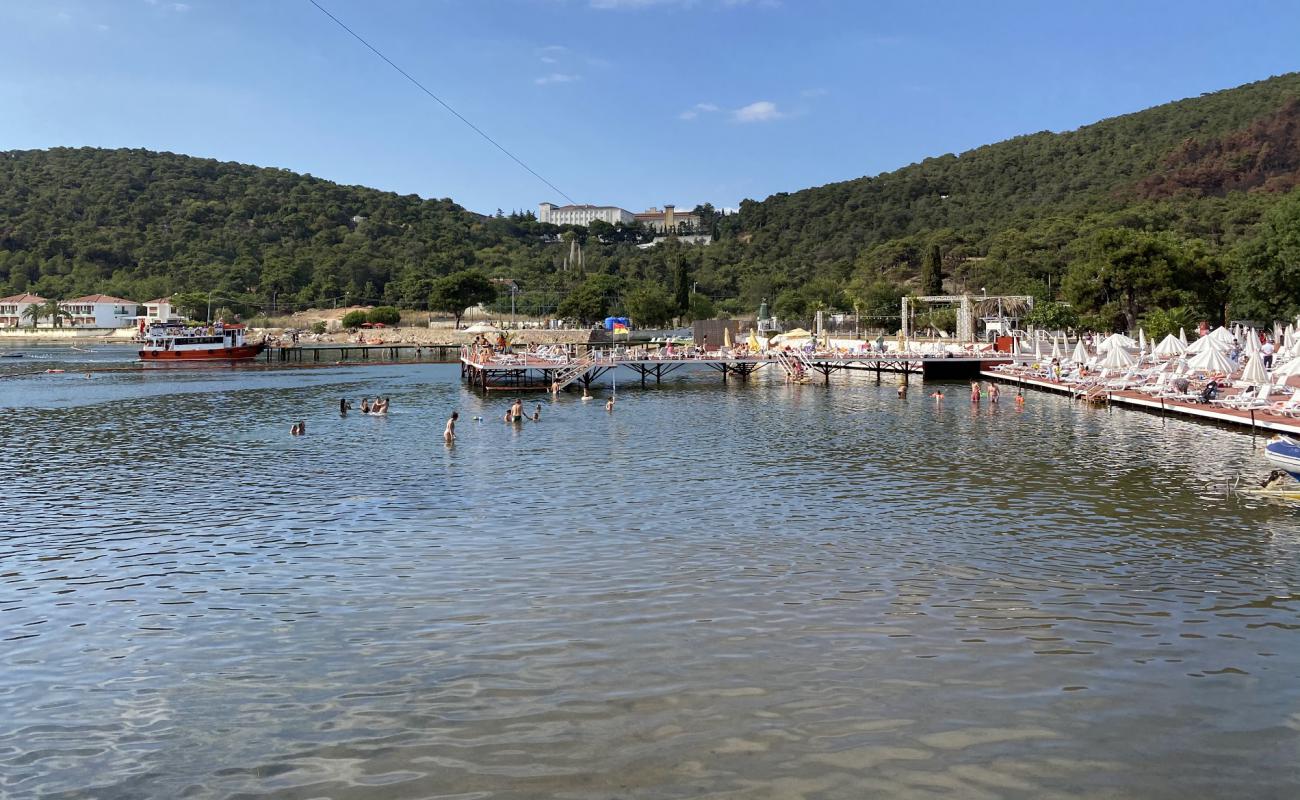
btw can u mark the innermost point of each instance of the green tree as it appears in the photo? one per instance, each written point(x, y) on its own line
point(194, 305)
point(460, 290)
point(932, 272)
point(1126, 271)
point(384, 315)
point(649, 305)
point(590, 301)
point(1160, 322)
point(1052, 316)
point(701, 307)
point(1266, 281)
point(355, 319)
point(682, 285)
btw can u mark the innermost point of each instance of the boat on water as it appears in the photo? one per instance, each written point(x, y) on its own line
point(1283, 452)
point(12, 355)
point(175, 341)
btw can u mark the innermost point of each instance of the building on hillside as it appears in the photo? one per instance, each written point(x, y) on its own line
point(582, 215)
point(161, 310)
point(685, 238)
point(13, 308)
point(100, 311)
point(669, 220)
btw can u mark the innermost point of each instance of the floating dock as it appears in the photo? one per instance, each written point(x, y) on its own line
point(315, 353)
point(492, 371)
point(1253, 419)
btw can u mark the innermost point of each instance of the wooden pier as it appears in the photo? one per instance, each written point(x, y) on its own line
point(318, 353)
point(486, 370)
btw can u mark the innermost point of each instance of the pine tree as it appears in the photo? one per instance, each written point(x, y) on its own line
point(683, 287)
point(932, 272)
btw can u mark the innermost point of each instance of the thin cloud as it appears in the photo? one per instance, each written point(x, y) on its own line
point(761, 111)
point(556, 77)
point(817, 92)
point(696, 110)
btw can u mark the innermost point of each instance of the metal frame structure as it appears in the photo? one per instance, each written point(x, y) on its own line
point(965, 309)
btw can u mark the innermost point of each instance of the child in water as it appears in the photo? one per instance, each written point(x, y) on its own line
point(974, 391)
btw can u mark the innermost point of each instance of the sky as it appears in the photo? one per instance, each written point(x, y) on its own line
point(634, 103)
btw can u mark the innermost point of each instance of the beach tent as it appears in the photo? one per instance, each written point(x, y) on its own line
point(1254, 373)
point(1182, 336)
point(1080, 355)
point(1169, 346)
point(1210, 359)
point(1117, 358)
point(1208, 343)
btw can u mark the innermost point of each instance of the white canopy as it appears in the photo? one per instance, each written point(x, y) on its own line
point(1210, 359)
point(1254, 373)
point(1182, 335)
point(1252, 342)
point(1170, 346)
point(1117, 358)
point(482, 327)
point(1056, 349)
point(1142, 340)
point(1080, 355)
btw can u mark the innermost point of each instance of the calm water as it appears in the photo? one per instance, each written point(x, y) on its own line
point(717, 591)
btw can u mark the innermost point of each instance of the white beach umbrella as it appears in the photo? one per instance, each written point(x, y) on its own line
point(1221, 334)
point(1170, 346)
point(1116, 340)
point(1254, 373)
point(1252, 343)
point(1080, 355)
point(1182, 336)
point(1287, 370)
point(1038, 349)
point(1277, 332)
point(1056, 348)
point(1117, 358)
point(1208, 343)
point(1211, 359)
point(1142, 340)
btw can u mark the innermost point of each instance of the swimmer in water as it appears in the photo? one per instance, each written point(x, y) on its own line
point(449, 433)
point(994, 392)
point(609, 404)
point(974, 391)
point(902, 390)
point(938, 394)
point(585, 395)
point(537, 413)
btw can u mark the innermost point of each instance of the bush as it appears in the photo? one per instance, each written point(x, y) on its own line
point(385, 315)
point(319, 327)
point(354, 319)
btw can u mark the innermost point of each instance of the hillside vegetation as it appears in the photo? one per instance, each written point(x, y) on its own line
point(1187, 210)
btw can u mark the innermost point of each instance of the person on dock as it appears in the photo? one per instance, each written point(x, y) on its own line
point(449, 433)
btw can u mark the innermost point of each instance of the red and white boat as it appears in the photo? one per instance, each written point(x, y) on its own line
point(176, 341)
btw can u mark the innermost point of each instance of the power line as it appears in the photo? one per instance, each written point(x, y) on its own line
point(440, 101)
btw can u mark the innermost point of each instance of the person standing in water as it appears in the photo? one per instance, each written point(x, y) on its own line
point(994, 391)
point(609, 404)
point(517, 410)
point(449, 433)
point(974, 391)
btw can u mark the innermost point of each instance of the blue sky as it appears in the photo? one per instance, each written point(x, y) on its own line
point(627, 102)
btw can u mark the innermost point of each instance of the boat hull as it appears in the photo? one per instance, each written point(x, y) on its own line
point(1284, 453)
point(241, 353)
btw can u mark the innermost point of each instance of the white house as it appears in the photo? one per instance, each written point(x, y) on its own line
point(161, 310)
point(100, 311)
point(12, 308)
point(582, 214)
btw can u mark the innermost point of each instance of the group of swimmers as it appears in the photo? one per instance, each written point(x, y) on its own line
point(376, 407)
point(977, 393)
point(516, 412)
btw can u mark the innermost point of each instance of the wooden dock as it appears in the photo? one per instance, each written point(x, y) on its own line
point(491, 371)
point(1252, 419)
point(351, 353)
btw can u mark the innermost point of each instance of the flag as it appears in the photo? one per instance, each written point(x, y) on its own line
point(620, 328)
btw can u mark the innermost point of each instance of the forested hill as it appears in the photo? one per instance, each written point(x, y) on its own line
point(1186, 210)
point(1103, 166)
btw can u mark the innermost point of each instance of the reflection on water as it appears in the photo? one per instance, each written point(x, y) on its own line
point(716, 591)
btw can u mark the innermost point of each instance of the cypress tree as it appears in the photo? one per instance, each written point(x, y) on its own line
point(932, 272)
point(683, 288)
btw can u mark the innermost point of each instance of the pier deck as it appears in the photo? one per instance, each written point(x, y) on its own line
point(489, 371)
point(1255, 420)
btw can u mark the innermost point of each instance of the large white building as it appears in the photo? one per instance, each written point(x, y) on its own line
point(669, 219)
point(582, 215)
point(100, 311)
point(12, 309)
